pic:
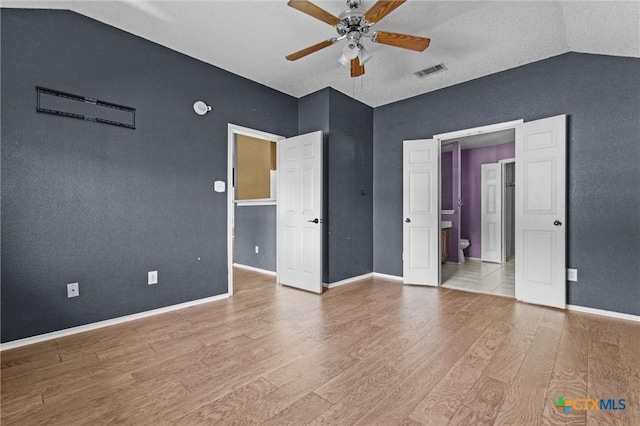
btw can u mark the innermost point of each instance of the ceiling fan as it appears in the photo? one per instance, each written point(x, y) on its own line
point(354, 25)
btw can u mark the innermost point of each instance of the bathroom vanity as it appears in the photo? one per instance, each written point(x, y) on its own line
point(445, 240)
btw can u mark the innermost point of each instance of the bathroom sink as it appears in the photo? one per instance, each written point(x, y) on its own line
point(445, 224)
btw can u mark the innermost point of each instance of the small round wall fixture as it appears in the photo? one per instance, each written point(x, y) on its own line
point(201, 108)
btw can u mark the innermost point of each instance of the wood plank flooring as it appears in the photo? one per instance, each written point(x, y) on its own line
point(372, 352)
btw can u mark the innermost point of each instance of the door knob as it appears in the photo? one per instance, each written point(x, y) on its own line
point(316, 220)
point(407, 220)
point(557, 223)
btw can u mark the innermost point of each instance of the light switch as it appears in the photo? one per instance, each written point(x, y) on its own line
point(219, 186)
point(152, 277)
point(572, 274)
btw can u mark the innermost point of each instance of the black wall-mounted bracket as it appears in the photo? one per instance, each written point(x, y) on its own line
point(67, 105)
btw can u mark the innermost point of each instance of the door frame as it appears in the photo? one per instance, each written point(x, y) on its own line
point(232, 131)
point(459, 134)
point(503, 171)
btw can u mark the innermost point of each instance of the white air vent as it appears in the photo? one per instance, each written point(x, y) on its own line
point(431, 70)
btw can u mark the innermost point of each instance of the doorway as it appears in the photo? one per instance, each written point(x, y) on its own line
point(257, 200)
point(296, 213)
point(473, 174)
point(540, 208)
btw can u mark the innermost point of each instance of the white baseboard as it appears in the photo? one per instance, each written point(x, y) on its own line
point(387, 277)
point(604, 313)
point(106, 323)
point(348, 280)
point(254, 269)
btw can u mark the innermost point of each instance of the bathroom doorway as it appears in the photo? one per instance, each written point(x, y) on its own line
point(540, 210)
point(465, 200)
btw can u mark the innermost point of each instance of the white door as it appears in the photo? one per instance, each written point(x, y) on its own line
point(540, 211)
point(491, 212)
point(421, 212)
point(299, 212)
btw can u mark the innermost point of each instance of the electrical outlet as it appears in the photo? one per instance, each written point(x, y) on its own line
point(73, 290)
point(152, 277)
point(257, 249)
point(572, 274)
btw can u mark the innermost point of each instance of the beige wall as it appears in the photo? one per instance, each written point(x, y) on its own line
point(256, 159)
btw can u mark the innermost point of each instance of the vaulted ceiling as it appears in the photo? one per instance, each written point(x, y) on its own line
point(472, 39)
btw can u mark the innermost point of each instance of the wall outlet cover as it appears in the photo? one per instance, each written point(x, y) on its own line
point(73, 290)
point(572, 274)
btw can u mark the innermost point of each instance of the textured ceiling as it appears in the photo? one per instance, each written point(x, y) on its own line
point(473, 39)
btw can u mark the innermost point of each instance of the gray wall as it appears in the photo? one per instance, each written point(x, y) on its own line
point(350, 196)
point(101, 205)
point(255, 226)
point(348, 180)
point(601, 96)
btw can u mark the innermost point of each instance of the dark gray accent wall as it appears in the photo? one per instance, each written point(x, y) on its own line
point(255, 226)
point(601, 96)
point(348, 180)
point(101, 205)
point(350, 196)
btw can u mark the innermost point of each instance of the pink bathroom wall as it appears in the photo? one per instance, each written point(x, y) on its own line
point(472, 160)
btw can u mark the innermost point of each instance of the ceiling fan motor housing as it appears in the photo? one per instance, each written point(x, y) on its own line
point(352, 21)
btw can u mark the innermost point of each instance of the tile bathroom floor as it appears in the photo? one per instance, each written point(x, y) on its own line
point(483, 277)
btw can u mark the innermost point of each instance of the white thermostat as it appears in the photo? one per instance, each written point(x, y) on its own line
point(219, 186)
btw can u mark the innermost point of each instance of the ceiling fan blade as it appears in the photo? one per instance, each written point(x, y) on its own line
point(311, 9)
point(405, 41)
point(381, 9)
point(357, 69)
point(304, 52)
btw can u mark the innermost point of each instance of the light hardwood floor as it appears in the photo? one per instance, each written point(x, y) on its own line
point(478, 276)
point(372, 352)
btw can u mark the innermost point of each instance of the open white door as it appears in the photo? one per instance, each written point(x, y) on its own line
point(540, 211)
point(421, 210)
point(299, 212)
point(491, 212)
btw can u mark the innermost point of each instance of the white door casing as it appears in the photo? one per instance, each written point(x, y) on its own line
point(299, 212)
point(491, 212)
point(421, 212)
point(541, 212)
point(233, 130)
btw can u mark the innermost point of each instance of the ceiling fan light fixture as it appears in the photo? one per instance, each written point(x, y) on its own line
point(349, 51)
point(364, 55)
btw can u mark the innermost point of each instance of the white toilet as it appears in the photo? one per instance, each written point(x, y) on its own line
point(464, 243)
